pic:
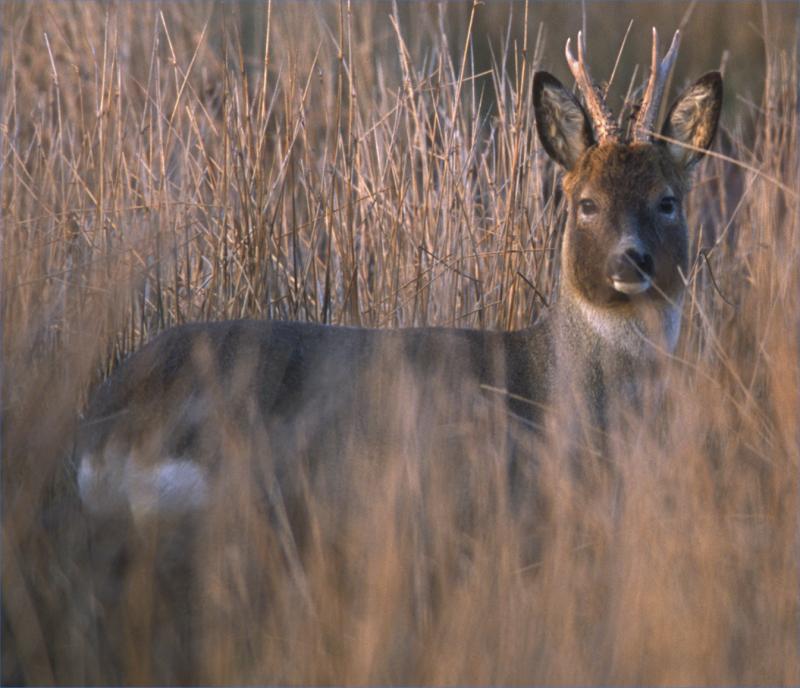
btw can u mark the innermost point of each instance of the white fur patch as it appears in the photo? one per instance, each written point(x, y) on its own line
point(672, 326)
point(632, 287)
point(172, 486)
point(631, 334)
point(101, 489)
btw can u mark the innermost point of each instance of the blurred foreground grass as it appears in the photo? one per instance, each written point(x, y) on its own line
point(357, 167)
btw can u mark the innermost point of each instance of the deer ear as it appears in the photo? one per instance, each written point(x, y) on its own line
point(564, 128)
point(693, 118)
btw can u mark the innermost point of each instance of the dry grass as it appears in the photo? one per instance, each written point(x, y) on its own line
point(151, 175)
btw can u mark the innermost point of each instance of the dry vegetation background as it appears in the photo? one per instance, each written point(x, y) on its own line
point(378, 165)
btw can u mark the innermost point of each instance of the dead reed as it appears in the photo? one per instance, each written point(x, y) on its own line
point(156, 169)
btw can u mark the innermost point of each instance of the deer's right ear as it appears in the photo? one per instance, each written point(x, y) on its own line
point(563, 125)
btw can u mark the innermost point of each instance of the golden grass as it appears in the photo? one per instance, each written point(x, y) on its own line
point(151, 175)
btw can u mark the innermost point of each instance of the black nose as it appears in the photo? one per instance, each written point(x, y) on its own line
point(631, 266)
point(643, 262)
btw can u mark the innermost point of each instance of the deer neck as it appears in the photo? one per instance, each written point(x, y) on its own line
point(602, 352)
point(640, 331)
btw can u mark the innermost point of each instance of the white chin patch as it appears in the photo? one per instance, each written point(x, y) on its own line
point(632, 287)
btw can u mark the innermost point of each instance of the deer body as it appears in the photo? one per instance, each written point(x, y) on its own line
point(625, 246)
point(269, 376)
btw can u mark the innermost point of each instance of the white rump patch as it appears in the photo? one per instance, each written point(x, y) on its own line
point(169, 487)
point(101, 490)
point(172, 486)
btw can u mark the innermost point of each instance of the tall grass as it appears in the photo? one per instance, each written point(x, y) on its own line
point(154, 172)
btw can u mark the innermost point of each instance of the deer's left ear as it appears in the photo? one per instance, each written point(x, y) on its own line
point(693, 118)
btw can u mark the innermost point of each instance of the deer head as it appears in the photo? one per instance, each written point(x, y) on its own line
point(626, 238)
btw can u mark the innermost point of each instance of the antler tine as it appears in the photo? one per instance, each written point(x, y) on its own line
point(604, 125)
point(651, 102)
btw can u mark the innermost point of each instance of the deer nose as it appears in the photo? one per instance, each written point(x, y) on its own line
point(631, 271)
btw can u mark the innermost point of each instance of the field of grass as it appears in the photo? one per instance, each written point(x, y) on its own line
point(156, 168)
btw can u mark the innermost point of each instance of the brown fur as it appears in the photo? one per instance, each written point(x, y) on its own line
point(627, 182)
point(632, 170)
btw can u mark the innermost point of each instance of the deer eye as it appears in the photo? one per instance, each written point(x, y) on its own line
point(587, 207)
point(668, 205)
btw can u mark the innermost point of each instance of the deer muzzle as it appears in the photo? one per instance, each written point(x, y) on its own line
point(630, 271)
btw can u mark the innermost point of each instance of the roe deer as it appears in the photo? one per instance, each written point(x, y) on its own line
point(620, 296)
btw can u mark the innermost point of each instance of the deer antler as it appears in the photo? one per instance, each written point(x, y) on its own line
point(604, 125)
point(651, 102)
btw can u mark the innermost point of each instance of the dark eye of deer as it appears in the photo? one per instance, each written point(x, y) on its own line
point(668, 205)
point(587, 207)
